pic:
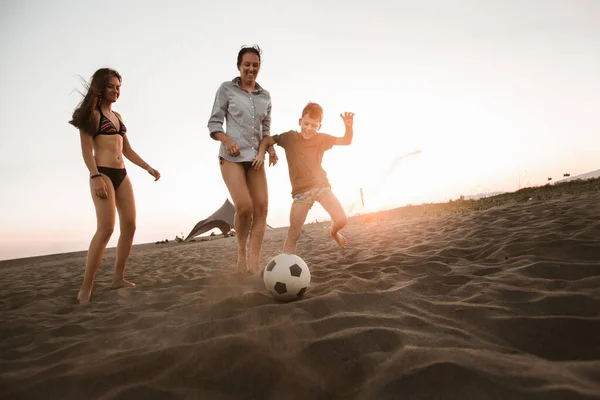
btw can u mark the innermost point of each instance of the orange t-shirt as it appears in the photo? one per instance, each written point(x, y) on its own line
point(304, 157)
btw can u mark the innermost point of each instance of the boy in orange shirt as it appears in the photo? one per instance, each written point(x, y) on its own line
point(304, 152)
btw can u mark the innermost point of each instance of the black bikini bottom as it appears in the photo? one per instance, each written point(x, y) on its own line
point(246, 164)
point(116, 175)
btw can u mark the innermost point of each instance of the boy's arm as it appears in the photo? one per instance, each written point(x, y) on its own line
point(347, 138)
point(266, 142)
point(348, 118)
point(134, 157)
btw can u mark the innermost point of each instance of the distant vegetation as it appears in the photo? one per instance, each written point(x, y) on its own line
point(535, 193)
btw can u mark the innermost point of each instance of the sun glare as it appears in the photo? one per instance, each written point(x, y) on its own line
point(437, 149)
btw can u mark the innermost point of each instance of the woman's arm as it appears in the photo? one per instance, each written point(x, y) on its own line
point(87, 145)
point(216, 120)
point(266, 130)
point(217, 115)
point(134, 157)
point(87, 151)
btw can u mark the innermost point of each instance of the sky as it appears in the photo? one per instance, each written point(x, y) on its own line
point(492, 95)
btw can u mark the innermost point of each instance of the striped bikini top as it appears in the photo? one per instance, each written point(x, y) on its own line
point(108, 128)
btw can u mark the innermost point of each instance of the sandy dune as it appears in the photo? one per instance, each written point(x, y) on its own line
point(496, 304)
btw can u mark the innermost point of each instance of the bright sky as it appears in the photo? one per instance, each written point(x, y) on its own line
point(493, 94)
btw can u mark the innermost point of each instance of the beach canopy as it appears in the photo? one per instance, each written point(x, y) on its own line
point(221, 219)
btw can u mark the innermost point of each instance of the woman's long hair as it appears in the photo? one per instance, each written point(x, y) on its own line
point(82, 116)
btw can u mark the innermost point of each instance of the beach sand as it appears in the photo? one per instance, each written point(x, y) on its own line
point(502, 303)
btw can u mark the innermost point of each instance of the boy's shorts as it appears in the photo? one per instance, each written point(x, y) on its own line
point(311, 195)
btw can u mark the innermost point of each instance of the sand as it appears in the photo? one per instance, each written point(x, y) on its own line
point(502, 303)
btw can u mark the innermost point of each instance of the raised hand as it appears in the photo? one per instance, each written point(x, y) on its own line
point(348, 118)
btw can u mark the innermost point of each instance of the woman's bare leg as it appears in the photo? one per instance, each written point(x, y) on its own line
point(105, 225)
point(257, 184)
point(235, 180)
point(125, 202)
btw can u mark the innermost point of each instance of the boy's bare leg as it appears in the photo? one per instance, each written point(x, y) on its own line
point(338, 217)
point(298, 214)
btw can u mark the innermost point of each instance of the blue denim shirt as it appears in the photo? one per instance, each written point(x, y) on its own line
point(248, 117)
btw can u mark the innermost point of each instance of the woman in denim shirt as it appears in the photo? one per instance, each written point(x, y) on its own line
point(246, 108)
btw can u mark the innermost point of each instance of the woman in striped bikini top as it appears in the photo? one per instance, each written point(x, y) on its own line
point(110, 186)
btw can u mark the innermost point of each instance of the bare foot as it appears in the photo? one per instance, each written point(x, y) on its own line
point(339, 238)
point(255, 270)
point(83, 297)
point(121, 283)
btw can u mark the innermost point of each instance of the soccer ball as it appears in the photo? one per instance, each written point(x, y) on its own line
point(286, 277)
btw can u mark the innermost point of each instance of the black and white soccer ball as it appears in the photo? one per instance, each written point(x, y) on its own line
point(286, 277)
